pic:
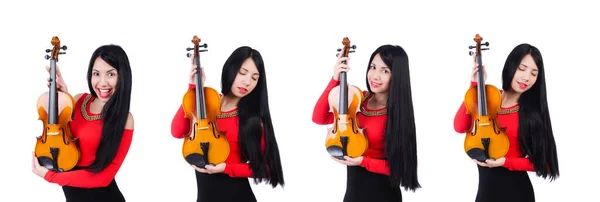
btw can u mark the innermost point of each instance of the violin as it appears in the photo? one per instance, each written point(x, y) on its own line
point(486, 139)
point(56, 149)
point(345, 138)
point(205, 143)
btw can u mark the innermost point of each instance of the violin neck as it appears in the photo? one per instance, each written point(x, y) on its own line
point(343, 105)
point(200, 103)
point(52, 95)
point(482, 98)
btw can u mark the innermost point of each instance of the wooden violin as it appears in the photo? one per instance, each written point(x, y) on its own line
point(345, 138)
point(485, 139)
point(56, 149)
point(205, 144)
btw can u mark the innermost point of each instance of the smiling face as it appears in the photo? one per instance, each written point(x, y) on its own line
point(246, 79)
point(525, 75)
point(104, 79)
point(379, 75)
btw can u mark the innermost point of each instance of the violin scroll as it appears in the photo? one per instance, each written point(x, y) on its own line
point(196, 48)
point(478, 48)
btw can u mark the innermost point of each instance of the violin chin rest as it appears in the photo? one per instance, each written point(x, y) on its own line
point(336, 152)
point(196, 159)
point(477, 154)
point(47, 163)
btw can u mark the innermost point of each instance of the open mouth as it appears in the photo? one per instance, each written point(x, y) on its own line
point(104, 93)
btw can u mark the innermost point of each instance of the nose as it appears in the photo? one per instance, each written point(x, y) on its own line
point(103, 81)
point(246, 81)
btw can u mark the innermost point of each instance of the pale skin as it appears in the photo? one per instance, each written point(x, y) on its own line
point(523, 80)
point(104, 77)
point(379, 77)
point(244, 83)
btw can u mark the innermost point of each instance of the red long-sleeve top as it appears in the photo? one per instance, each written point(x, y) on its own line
point(515, 160)
point(373, 121)
point(89, 134)
point(227, 123)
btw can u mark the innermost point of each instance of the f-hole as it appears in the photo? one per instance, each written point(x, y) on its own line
point(64, 136)
point(46, 136)
point(214, 132)
point(475, 127)
point(497, 131)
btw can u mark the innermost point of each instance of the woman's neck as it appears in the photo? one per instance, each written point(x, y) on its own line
point(378, 101)
point(229, 102)
point(96, 106)
point(510, 98)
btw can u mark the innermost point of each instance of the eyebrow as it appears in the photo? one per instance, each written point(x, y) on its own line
point(106, 71)
point(373, 64)
point(528, 67)
point(249, 71)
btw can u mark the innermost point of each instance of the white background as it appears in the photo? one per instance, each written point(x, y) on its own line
point(298, 41)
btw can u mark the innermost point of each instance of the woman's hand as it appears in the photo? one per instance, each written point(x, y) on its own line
point(210, 169)
point(349, 160)
point(340, 67)
point(36, 167)
point(60, 83)
point(491, 163)
point(475, 69)
point(193, 73)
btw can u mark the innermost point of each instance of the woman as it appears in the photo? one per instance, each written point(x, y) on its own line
point(391, 158)
point(246, 121)
point(525, 118)
point(104, 126)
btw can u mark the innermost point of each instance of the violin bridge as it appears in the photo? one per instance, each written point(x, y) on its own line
point(484, 124)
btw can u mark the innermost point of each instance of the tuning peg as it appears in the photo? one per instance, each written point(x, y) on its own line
point(63, 47)
point(46, 57)
point(471, 53)
point(485, 44)
point(472, 47)
point(351, 51)
point(189, 55)
point(62, 53)
point(485, 49)
point(339, 49)
point(204, 45)
point(189, 49)
point(48, 50)
point(337, 54)
point(353, 47)
point(203, 50)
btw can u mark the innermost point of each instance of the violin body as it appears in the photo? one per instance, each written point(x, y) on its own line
point(205, 144)
point(345, 138)
point(56, 149)
point(205, 137)
point(345, 132)
point(486, 139)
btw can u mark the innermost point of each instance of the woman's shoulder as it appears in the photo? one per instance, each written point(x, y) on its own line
point(129, 122)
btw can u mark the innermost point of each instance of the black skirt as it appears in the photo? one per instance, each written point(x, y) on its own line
point(500, 184)
point(110, 193)
point(222, 188)
point(365, 186)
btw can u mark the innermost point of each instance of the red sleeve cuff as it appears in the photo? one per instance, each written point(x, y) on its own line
point(507, 162)
point(364, 162)
point(49, 175)
point(227, 169)
point(191, 86)
point(473, 83)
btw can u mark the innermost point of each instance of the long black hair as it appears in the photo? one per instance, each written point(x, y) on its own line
point(116, 110)
point(535, 128)
point(253, 112)
point(400, 131)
